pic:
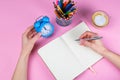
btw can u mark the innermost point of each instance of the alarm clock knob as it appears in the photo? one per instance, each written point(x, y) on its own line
point(37, 26)
point(45, 19)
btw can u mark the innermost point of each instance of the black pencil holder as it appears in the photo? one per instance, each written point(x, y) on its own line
point(63, 22)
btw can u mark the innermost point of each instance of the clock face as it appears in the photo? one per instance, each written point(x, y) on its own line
point(47, 30)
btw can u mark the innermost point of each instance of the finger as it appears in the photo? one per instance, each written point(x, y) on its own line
point(36, 37)
point(32, 32)
point(87, 34)
point(32, 35)
point(84, 34)
point(82, 42)
point(28, 30)
point(87, 44)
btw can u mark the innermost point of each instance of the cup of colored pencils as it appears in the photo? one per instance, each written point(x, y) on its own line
point(64, 11)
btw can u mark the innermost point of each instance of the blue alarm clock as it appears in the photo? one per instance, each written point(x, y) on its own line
point(43, 25)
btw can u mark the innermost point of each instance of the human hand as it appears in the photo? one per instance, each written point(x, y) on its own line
point(96, 45)
point(29, 37)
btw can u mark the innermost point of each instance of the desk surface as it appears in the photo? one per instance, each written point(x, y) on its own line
point(17, 15)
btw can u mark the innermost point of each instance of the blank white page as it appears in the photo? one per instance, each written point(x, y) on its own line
point(60, 60)
point(85, 56)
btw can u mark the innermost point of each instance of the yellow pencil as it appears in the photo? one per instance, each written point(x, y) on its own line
point(58, 7)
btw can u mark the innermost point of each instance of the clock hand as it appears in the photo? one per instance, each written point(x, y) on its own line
point(45, 28)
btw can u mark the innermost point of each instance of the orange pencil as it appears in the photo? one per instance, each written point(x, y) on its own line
point(57, 14)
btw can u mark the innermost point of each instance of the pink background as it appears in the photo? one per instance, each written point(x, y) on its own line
point(17, 15)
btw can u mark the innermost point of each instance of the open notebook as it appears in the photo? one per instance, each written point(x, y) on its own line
point(65, 58)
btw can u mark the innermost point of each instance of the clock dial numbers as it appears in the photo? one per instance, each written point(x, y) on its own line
point(46, 30)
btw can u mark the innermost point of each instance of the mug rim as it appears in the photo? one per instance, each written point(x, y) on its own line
point(103, 13)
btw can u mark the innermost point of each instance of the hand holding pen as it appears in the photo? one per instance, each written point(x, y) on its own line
point(92, 40)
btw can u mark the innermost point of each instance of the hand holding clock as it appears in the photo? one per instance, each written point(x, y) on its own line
point(44, 26)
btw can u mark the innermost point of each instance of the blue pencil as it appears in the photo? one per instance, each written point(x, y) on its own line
point(68, 7)
point(60, 4)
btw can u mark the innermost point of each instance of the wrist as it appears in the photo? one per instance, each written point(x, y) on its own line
point(23, 59)
point(24, 54)
point(25, 51)
point(103, 51)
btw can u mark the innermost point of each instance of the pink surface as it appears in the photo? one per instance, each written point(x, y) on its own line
point(17, 15)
